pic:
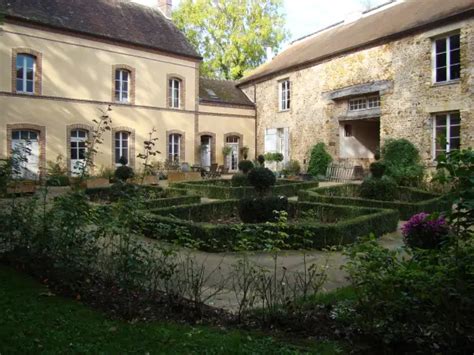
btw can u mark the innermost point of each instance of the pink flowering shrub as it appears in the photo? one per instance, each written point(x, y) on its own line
point(425, 231)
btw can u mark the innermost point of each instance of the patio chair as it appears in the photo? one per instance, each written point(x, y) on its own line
point(213, 172)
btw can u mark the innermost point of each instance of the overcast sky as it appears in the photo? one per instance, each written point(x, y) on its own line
point(306, 16)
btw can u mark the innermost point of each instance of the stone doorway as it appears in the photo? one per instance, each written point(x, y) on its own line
point(359, 140)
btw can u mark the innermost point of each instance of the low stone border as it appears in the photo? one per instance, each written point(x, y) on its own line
point(190, 225)
point(222, 189)
point(413, 200)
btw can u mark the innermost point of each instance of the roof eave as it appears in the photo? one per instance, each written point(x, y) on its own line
point(97, 36)
point(455, 17)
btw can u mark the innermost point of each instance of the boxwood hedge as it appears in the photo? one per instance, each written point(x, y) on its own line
point(165, 197)
point(410, 201)
point(223, 189)
point(328, 225)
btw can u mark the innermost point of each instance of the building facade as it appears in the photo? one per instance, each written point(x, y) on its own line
point(405, 70)
point(61, 62)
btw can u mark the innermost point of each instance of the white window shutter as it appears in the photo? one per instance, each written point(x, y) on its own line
point(271, 140)
point(286, 140)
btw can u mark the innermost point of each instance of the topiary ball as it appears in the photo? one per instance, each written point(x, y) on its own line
point(261, 159)
point(262, 179)
point(383, 189)
point(245, 166)
point(377, 169)
point(261, 210)
point(239, 180)
point(123, 173)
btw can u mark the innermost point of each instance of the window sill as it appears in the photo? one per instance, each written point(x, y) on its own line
point(446, 83)
point(25, 93)
point(281, 111)
point(127, 103)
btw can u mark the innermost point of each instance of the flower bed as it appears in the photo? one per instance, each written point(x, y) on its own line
point(157, 196)
point(409, 202)
point(223, 189)
point(324, 226)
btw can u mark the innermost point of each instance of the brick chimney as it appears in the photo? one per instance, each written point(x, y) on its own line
point(165, 7)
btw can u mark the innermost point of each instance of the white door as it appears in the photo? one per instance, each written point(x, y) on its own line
point(26, 150)
point(206, 142)
point(233, 157)
point(78, 150)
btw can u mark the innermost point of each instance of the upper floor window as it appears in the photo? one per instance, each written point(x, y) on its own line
point(122, 146)
point(25, 73)
point(285, 95)
point(446, 133)
point(122, 85)
point(174, 94)
point(447, 58)
point(174, 147)
point(364, 103)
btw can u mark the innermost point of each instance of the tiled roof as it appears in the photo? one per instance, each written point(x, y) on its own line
point(374, 27)
point(222, 92)
point(117, 20)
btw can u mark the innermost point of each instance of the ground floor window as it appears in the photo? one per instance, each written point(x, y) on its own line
point(25, 148)
point(446, 133)
point(277, 141)
point(78, 150)
point(233, 157)
point(122, 146)
point(174, 147)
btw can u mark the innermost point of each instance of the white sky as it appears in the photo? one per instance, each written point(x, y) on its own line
point(307, 16)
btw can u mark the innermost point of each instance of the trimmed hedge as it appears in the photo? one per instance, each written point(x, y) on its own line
point(170, 197)
point(410, 200)
point(181, 224)
point(223, 190)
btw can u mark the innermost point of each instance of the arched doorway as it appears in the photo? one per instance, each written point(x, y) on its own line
point(206, 151)
point(232, 159)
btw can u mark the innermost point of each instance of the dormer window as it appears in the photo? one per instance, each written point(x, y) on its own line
point(122, 85)
point(25, 73)
point(285, 95)
point(364, 103)
point(447, 58)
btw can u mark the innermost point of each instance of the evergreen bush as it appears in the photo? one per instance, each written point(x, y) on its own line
point(239, 180)
point(262, 179)
point(123, 172)
point(377, 169)
point(402, 161)
point(383, 189)
point(245, 166)
point(260, 210)
point(319, 160)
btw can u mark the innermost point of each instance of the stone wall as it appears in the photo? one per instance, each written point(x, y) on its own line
point(407, 108)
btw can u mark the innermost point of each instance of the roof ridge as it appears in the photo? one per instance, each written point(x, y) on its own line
point(218, 79)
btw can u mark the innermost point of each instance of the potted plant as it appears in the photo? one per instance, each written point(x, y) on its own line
point(226, 150)
point(245, 152)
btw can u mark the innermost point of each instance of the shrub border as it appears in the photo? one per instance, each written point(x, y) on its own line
point(207, 189)
point(162, 225)
point(433, 203)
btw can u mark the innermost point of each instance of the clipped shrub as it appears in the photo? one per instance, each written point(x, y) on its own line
point(292, 168)
point(261, 160)
point(58, 180)
point(402, 161)
point(123, 172)
point(260, 210)
point(245, 166)
point(262, 179)
point(319, 160)
point(377, 169)
point(383, 189)
point(425, 231)
point(239, 180)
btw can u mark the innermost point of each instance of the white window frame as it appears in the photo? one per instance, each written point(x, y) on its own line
point(449, 126)
point(120, 137)
point(174, 147)
point(447, 38)
point(175, 93)
point(284, 95)
point(120, 81)
point(24, 79)
point(364, 103)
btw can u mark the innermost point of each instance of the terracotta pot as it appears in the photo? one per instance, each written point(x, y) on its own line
point(97, 182)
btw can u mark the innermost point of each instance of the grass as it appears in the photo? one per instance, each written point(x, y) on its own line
point(34, 320)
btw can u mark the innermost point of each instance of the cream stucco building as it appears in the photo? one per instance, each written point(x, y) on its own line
point(63, 61)
point(404, 70)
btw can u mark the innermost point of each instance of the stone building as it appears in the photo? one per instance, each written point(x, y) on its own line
point(62, 60)
point(404, 70)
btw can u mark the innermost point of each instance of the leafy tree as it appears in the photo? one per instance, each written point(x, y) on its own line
point(231, 35)
point(319, 160)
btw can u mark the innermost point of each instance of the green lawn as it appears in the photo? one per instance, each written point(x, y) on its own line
point(34, 321)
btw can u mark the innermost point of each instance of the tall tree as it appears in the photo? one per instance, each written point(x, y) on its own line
point(232, 35)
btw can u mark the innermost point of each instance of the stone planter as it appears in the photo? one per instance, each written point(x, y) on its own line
point(97, 182)
point(176, 176)
point(22, 187)
point(147, 180)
